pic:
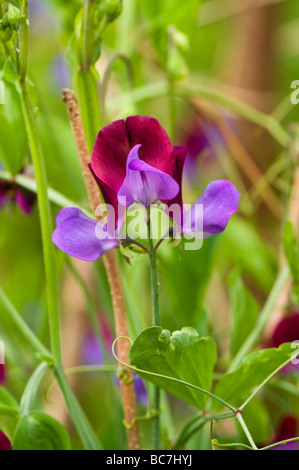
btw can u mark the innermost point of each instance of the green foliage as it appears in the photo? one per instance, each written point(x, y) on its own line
point(13, 142)
point(39, 431)
point(8, 405)
point(182, 355)
point(244, 311)
point(10, 21)
point(235, 386)
point(291, 250)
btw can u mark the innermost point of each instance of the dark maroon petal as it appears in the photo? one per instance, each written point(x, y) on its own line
point(4, 199)
point(109, 195)
point(156, 147)
point(24, 201)
point(2, 373)
point(109, 154)
point(287, 430)
point(4, 442)
point(286, 331)
point(175, 170)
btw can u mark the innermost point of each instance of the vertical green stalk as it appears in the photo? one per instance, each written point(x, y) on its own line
point(246, 430)
point(85, 79)
point(80, 421)
point(156, 322)
point(45, 221)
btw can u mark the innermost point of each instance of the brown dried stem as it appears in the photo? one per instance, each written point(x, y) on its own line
point(110, 263)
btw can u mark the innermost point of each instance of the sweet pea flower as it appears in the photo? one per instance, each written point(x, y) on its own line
point(11, 191)
point(133, 161)
point(136, 159)
point(4, 442)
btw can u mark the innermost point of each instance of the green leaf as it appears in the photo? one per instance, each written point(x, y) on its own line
point(9, 71)
point(242, 242)
point(244, 311)
point(13, 142)
point(258, 421)
point(39, 431)
point(8, 405)
point(182, 355)
point(291, 250)
point(255, 368)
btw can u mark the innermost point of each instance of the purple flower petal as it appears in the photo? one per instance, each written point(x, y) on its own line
point(92, 349)
point(81, 237)
point(114, 143)
point(219, 201)
point(145, 184)
point(2, 373)
point(287, 430)
point(4, 442)
point(24, 201)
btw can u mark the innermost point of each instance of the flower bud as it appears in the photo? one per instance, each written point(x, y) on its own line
point(111, 9)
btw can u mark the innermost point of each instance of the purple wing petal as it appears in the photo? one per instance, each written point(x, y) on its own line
point(145, 184)
point(81, 237)
point(219, 201)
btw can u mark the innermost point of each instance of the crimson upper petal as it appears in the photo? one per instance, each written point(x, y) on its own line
point(114, 143)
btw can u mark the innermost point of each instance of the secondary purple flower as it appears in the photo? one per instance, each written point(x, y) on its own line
point(287, 331)
point(201, 142)
point(287, 430)
point(11, 191)
point(4, 442)
point(135, 158)
point(80, 236)
point(2, 374)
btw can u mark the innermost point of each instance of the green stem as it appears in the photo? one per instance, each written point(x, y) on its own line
point(30, 391)
point(83, 427)
point(22, 325)
point(161, 89)
point(46, 223)
point(263, 318)
point(88, 98)
point(54, 196)
point(246, 430)
point(156, 322)
point(191, 428)
point(22, 54)
point(253, 115)
point(256, 391)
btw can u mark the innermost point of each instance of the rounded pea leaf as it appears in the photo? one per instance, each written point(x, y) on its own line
point(39, 431)
point(255, 368)
point(182, 355)
point(8, 405)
